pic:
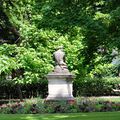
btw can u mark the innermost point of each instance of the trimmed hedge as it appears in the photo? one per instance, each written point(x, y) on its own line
point(81, 87)
point(96, 86)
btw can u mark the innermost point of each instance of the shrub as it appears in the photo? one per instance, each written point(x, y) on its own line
point(61, 106)
point(96, 86)
point(83, 104)
point(97, 105)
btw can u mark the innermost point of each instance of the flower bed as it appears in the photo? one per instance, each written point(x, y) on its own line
point(34, 106)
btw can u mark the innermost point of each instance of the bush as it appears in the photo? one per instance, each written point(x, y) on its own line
point(96, 86)
point(97, 105)
point(61, 106)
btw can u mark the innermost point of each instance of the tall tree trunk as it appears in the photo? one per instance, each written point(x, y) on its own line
point(19, 92)
point(18, 73)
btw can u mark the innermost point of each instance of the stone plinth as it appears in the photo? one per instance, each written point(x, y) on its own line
point(60, 86)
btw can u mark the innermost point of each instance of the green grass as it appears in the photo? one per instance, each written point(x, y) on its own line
point(111, 99)
point(114, 99)
point(75, 116)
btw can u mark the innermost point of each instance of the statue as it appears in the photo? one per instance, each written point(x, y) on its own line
point(59, 56)
point(60, 79)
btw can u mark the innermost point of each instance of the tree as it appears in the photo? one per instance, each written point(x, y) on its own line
point(88, 30)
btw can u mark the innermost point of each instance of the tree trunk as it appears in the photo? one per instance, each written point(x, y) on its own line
point(19, 92)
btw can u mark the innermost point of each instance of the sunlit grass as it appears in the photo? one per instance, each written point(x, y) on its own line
point(112, 99)
point(75, 116)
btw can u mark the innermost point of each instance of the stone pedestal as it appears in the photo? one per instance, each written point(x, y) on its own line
point(60, 86)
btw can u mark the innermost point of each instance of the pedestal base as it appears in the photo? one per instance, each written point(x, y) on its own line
point(60, 86)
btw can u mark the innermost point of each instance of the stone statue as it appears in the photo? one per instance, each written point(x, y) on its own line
point(60, 79)
point(59, 56)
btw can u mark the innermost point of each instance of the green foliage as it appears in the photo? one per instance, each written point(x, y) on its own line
point(88, 30)
point(13, 57)
point(39, 37)
point(96, 86)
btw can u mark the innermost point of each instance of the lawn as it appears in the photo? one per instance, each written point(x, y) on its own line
point(75, 116)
